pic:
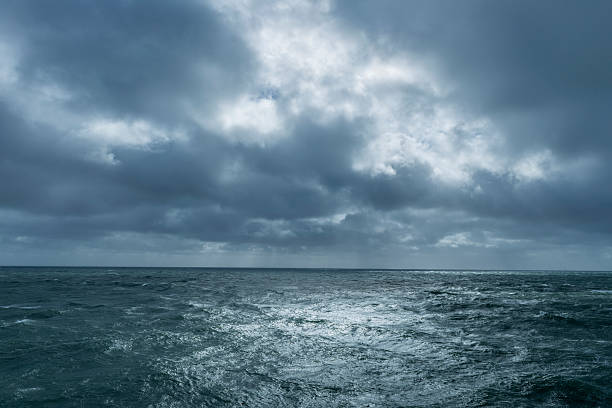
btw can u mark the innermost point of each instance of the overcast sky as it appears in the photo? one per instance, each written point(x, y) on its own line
point(429, 134)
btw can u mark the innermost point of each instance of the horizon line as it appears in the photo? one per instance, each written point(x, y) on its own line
point(312, 268)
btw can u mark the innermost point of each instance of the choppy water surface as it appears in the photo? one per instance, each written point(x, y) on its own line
point(310, 338)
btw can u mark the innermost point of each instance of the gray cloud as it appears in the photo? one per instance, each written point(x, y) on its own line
point(543, 70)
point(409, 134)
point(128, 58)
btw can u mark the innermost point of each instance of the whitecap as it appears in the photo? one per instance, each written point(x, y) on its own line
point(24, 321)
point(18, 307)
point(27, 390)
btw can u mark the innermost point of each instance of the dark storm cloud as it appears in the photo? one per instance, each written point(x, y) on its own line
point(544, 69)
point(542, 72)
point(128, 57)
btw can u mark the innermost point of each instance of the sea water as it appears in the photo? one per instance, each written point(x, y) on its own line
point(89, 337)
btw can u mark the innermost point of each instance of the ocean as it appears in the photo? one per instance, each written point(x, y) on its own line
point(213, 337)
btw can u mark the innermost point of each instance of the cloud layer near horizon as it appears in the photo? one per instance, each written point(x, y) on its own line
point(324, 133)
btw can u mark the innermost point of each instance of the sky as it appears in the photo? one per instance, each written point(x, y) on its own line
point(396, 134)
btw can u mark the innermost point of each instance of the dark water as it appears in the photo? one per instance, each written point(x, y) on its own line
point(308, 338)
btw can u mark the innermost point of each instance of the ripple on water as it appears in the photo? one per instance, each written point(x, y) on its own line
point(304, 338)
